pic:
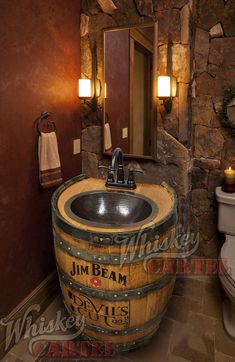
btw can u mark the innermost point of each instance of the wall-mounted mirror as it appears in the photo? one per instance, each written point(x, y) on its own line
point(130, 90)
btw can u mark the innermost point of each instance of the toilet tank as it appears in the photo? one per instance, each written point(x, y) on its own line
point(226, 211)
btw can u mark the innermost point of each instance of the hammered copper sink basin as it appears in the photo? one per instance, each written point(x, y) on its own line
point(111, 208)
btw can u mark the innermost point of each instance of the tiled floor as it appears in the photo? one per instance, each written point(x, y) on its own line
point(192, 329)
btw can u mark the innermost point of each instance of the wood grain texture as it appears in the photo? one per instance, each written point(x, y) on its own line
point(129, 299)
point(139, 311)
point(134, 272)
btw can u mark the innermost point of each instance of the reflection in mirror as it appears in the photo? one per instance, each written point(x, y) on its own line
point(129, 106)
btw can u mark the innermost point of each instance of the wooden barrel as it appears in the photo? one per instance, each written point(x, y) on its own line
point(104, 274)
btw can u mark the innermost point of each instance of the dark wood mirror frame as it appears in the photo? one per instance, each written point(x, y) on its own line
point(153, 115)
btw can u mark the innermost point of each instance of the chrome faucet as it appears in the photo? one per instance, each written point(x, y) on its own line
point(117, 158)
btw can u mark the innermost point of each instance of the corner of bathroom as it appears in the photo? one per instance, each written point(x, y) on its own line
point(117, 189)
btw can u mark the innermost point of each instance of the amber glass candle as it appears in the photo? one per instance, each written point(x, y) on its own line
point(229, 180)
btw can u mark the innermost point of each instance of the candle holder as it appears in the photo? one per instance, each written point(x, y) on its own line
point(229, 180)
point(228, 188)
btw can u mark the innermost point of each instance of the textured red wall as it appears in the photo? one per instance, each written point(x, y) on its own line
point(39, 67)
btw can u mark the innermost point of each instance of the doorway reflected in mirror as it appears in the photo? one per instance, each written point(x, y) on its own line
point(130, 102)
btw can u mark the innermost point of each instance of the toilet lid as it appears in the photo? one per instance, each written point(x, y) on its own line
point(228, 256)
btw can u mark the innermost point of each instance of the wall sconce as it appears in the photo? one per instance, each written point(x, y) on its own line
point(84, 88)
point(166, 84)
point(91, 88)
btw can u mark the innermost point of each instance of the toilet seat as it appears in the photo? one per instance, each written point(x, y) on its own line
point(228, 258)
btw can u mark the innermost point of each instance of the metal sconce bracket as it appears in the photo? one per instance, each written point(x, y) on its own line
point(167, 101)
point(95, 82)
point(168, 104)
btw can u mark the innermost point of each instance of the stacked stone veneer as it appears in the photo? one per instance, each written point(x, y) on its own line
point(214, 72)
point(173, 131)
point(191, 145)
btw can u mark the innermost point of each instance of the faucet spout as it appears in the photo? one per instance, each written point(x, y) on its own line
point(117, 157)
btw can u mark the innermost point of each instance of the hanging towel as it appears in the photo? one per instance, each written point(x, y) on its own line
point(107, 137)
point(49, 160)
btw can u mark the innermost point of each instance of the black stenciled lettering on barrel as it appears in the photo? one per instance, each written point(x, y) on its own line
point(96, 270)
point(113, 316)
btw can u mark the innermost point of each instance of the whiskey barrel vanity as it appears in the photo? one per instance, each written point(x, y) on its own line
point(103, 267)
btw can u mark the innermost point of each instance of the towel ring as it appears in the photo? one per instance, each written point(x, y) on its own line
point(45, 115)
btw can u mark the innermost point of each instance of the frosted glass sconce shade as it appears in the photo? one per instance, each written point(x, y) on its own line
point(84, 88)
point(164, 86)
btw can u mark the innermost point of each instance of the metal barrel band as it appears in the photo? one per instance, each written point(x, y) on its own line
point(149, 234)
point(117, 259)
point(142, 327)
point(124, 347)
point(114, 295)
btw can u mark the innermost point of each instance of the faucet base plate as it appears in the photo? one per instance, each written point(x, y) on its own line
point(124, 185)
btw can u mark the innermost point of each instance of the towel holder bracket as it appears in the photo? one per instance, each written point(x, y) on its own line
point(43, 116)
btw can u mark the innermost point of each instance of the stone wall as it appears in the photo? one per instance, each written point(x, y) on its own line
point(214, 72)
point(173, 130)
point(192, 147)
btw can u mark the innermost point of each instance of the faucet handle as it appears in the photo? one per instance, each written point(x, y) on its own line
point(103, 166)
point(131, 178)
point(110, 177)
point(136, 170)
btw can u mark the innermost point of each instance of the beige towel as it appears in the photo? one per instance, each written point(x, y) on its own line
point(49, 160)
point(107, 137)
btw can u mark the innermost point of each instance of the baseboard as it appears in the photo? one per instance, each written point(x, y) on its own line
point(43, 294)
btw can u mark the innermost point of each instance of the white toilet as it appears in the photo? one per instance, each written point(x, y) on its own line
point(226, 224)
